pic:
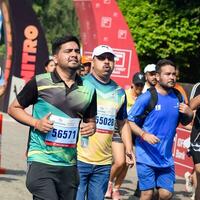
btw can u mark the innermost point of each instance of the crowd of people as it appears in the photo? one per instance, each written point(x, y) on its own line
point(85, 128)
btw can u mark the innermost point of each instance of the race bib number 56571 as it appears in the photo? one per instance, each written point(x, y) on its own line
point(64, 132)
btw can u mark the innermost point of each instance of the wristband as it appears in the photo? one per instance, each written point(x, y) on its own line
point(142, 135)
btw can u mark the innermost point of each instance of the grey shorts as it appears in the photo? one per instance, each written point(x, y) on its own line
point(117, 138)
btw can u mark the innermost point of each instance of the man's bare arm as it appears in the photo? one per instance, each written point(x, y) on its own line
point(125, 131)
point(195, 102)
point(18, 112)
point(148, 137)
point(88, 126)
point(186, 114)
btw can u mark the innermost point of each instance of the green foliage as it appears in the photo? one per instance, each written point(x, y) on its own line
point(160, 28)
point(57, 18)
point(165, 29)
point(2, 52)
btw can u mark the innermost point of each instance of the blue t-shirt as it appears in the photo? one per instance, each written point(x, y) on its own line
point(162, 122)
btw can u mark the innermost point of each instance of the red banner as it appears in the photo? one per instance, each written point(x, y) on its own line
point(101, 22)
point(183, 163)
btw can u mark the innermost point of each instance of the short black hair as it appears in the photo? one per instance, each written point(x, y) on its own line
point(61, 40)
point(47, 62)
point(162, 63)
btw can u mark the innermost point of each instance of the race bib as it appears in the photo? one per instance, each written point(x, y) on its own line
point(64, 132)
point(105, 119)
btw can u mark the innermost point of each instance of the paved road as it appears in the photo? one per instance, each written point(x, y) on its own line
point(12, 183)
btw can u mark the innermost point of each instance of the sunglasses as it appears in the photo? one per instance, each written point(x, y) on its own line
point(102, 57)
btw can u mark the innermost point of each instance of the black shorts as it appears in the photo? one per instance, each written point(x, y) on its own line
point(195, 151)
point(50, 182)
point(195, 156)
point(195, 138)
point(195, 144)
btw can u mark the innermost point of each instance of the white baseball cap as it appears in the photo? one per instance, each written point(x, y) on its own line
point(102, 49)
point(150, 68)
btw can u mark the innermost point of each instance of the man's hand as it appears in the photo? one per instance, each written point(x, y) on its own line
point(44, 125)
point(130, 159)
point(87, 129)
point(186, 114)
point(150, 138)
point(185, 109)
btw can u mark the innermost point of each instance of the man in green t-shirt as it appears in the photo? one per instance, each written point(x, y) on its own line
point(63, 103)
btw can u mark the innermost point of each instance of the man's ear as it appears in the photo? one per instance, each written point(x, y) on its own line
point(145, 76)
point(92, 64)
point(55, 59)
point(132, 85)
point(158, 77)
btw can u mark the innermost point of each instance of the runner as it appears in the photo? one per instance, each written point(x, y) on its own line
point(155, 133)
point(95, 159)
point(195, 138)
point(150, 76)
point(60, 101)
point(119, 167)
point(50, 65)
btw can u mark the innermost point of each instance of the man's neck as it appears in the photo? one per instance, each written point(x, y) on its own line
point(162, 90)
point(150, 85)
point(133, 93)
point(68, 76)
point(102, 79)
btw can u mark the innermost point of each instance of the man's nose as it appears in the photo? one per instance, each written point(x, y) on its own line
point(172, 76)
point(106, 60)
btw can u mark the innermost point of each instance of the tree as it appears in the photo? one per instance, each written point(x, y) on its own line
point(57, 18)
point(166, 29)
point(160, 28)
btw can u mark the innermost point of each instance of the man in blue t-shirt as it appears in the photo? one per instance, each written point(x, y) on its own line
point(155, 133)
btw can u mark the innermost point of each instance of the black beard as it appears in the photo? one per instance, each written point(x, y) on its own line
point(167, 88)
point(73, 70)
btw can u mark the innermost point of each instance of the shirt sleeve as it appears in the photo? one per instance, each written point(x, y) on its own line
point(28, 95)
point(91, 111)
point(197, 92)
point(122, 113)
point(138, 108)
